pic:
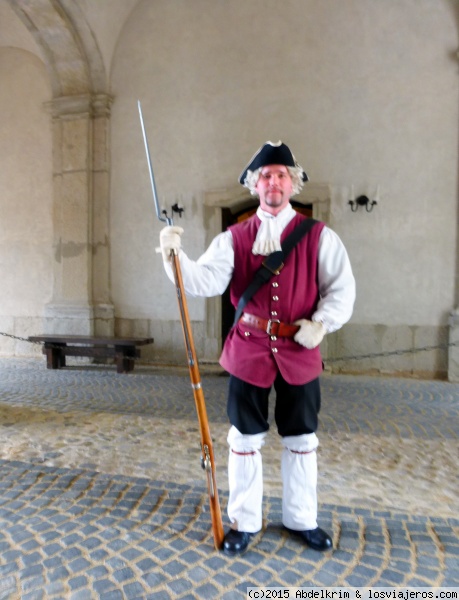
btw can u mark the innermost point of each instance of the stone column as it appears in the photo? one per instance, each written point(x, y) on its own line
point(81, 296)
point(453, 353)
point(104, 314)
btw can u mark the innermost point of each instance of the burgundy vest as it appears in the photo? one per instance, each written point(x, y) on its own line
point(251, 354)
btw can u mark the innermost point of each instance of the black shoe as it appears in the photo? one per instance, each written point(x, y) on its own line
point(236, 542)
point(317, 539)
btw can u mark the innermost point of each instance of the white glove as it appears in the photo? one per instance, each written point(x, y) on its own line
point(169, 239)
point(310, 333)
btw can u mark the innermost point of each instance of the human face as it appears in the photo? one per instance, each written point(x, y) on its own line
point(274, 187)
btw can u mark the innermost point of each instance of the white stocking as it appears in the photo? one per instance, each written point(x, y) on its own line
point(245, 477)
point(299, 479)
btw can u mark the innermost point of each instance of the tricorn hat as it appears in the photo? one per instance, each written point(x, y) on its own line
point(271, 154)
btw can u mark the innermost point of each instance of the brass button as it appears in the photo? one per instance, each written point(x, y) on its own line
point(275, 298)
point(275, 350)
point(273, 338)
point(274, 313)
point(275, 284)
point(247, 333)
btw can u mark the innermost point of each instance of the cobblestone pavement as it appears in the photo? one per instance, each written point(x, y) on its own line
point(102, 495)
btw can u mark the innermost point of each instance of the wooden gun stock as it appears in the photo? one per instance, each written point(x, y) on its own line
point(207, 453)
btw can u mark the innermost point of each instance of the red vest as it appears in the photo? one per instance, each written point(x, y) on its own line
point(251, 354)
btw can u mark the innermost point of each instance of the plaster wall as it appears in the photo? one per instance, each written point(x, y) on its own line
point(106, 19)
point(25, 198)
point(365, 93)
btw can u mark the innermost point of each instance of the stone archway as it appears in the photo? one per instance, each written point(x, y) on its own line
point(80, 114)
point(236, 198)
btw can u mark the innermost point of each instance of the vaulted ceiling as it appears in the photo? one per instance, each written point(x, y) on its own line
point(68, 45)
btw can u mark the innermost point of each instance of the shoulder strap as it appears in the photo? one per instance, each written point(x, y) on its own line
point(273, 264)
point(300, 231)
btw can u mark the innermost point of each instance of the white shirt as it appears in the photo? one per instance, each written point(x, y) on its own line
point(212, 272)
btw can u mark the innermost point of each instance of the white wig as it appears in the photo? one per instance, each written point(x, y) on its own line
point(296, 173)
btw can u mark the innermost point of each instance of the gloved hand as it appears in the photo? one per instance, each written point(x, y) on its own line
point(310, 333)
point(169, 239)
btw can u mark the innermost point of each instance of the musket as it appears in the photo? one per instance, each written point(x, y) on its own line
point(207, 452)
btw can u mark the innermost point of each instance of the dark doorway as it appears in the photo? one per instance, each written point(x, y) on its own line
point(230, 218)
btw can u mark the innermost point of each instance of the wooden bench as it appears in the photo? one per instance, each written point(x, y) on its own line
point(123, 350)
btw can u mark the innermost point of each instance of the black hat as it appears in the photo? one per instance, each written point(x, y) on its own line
point(271, 154)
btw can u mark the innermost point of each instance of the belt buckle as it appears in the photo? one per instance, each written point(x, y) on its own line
point(269, 325)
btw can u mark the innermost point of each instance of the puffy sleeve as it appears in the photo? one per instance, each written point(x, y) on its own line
point(336, 282)
point(211, 273)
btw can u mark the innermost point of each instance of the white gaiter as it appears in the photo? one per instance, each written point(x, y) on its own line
point(299, 480)
point(245, 478)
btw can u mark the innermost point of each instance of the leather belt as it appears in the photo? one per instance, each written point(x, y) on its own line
point(270, 326)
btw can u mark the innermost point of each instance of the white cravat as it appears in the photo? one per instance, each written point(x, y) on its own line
point(270, 230)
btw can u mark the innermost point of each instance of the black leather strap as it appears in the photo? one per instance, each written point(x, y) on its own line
point(273, 264)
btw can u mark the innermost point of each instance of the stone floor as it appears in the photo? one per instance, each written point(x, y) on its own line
point(102, 494)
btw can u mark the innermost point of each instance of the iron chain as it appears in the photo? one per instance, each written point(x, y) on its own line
point(392, 353)
point(328, 360)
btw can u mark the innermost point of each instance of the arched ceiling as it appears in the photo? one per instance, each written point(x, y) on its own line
point(69, 47)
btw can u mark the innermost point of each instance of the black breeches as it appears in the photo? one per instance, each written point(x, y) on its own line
point(296, 410)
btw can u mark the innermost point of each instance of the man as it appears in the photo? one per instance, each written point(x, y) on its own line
point(274, 343)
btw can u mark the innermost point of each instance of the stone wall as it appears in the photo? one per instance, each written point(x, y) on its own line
point(365, 93)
